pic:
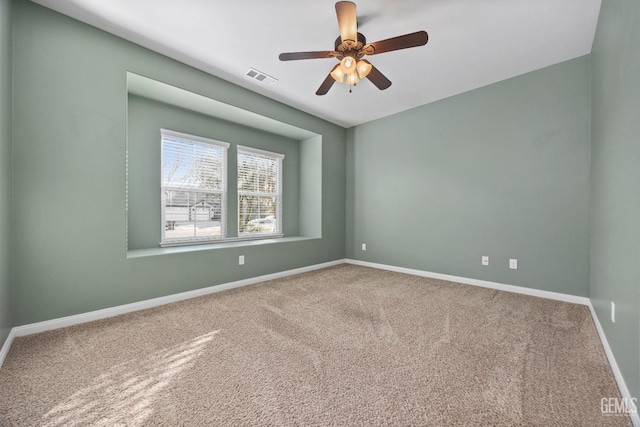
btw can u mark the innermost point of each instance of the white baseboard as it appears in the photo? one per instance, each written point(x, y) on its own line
point(6, 346)
point(622, 385)
point(77, 319)
point(475, 282)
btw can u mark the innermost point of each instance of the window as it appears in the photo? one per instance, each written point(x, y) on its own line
point(259, 192)
point(194, 191)
point(194, 188)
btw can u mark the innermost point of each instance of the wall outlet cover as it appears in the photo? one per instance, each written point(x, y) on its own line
point(241, 260)
point(485, 260)
point(364, 246)
point(513, 264)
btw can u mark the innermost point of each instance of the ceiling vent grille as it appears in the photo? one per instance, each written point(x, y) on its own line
point(261, 77)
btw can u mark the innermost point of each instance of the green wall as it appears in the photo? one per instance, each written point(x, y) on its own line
point(5, 169)
point(145, 119)
point(615, 182)
point(501, 171)
point(70, 86)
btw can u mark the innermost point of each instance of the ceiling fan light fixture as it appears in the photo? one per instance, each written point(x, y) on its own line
point(338, 74)
point(353, 78)
point(348, 65)
point(364, 68)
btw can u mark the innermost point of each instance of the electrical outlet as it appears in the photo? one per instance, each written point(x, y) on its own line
point(241, 260)
point(613, 312)
point(485, 260)
point(513, 264)
point(364, 246)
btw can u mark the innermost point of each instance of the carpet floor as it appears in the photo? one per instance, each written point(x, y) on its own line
point(346, 345)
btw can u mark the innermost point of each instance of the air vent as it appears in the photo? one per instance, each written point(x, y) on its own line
point(261, 77)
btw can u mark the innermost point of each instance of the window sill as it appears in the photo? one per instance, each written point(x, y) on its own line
point(139, 253)
point(243, 238)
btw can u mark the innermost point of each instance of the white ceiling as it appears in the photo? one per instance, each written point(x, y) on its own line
point(472, 43)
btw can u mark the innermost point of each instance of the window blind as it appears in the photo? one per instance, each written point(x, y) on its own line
point(193, 188)
point(259, 191)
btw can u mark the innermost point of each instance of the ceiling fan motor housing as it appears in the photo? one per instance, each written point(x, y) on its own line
point(343, 47)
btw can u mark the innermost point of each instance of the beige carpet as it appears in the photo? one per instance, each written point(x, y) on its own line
point(346, 345)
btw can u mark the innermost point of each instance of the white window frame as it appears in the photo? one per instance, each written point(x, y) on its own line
point(223, 215)
point(279, 157)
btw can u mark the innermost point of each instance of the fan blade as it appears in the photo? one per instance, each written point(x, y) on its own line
point(378, 79)
point(292, 56)
point(327, 83)
point(419, 38)
point(347, 20)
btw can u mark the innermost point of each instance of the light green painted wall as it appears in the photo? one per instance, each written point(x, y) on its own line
point(501, 171)
point(5, 170)
point(69, 175)
point(311, 183)
point(145, 119)
point(615, 182)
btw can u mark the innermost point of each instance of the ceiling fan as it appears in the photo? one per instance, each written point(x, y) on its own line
point(351, 46)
